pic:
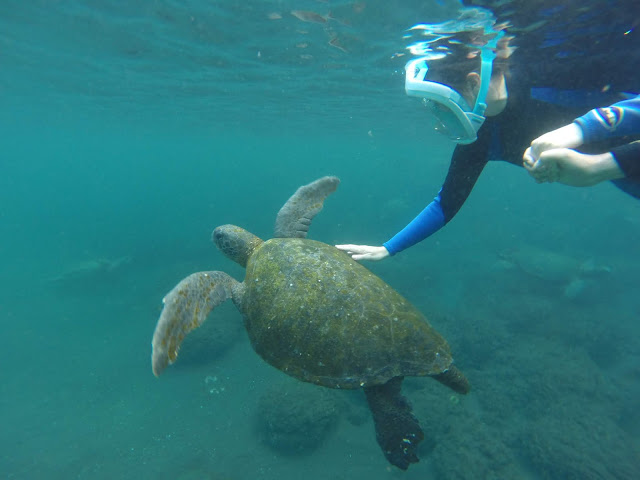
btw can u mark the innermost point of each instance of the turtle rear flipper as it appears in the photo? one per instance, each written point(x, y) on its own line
point(294, 218)
point(186, 307)
point(397, 430)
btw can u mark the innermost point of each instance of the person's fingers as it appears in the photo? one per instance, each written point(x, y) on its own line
point(548, 166)
point(537, 149)
point(547, 177)
point(534, 152)
point(528, 160)
point(350, 248)
point(540, 179)
point(364, 252)
point(373, 256)
point(358, 252)
point(540, 174)
point(553, 175)
point(541, 169)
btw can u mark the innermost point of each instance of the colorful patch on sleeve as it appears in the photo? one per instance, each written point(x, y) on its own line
point(610, 117)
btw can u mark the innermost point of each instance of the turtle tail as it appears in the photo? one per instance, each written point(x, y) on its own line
point(397, 430)
point(454, 379)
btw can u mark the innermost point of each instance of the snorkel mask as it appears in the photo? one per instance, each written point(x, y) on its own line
point(455, 118)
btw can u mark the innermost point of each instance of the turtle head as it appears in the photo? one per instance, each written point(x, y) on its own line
point(235, 242)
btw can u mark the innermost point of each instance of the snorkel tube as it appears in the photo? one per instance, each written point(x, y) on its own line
point(476, 117)
point(487, 55)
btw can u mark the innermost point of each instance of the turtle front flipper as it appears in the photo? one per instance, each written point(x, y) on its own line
point(397, 430)
point(294, 218)
point(186, 307)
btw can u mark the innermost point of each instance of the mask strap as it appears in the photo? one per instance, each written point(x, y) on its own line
point(487, 55)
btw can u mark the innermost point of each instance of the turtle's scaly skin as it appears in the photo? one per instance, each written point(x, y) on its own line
point(314, 313)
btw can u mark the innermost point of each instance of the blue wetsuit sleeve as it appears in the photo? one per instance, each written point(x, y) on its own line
point(429, 221)
point(466, 165)
point(622, 118)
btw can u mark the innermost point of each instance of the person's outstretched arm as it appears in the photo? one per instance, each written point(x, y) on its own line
point(467, 163)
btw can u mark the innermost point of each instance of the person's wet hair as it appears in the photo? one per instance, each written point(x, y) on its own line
point(463, 57)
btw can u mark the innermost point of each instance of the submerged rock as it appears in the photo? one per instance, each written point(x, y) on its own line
point(295, 418)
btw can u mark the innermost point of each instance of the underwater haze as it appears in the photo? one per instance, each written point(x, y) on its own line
point(130, 130)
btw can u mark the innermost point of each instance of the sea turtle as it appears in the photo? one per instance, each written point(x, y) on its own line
point(319, 316)
point(554, 268)
point(90, 270)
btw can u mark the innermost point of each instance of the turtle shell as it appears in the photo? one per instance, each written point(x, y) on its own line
point(319, 316)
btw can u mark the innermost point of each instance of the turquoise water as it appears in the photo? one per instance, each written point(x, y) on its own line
point(129, 132)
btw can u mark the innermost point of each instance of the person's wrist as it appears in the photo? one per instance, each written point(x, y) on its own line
point(604, 167)
point(573, 134)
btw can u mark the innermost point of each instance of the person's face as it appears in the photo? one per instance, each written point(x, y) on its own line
point(496, 96)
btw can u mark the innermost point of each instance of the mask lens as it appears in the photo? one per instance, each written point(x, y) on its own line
point(446, 121)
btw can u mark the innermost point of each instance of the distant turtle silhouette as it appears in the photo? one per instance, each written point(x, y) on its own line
point(554, 268)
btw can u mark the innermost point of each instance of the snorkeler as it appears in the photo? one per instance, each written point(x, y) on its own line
point(493, 112)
